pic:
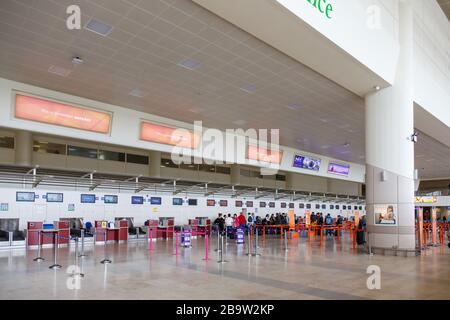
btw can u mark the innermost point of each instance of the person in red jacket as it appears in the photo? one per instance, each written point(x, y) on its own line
point(242, 220)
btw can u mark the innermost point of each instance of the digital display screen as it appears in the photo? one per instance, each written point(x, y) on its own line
point(156, 201)
point(291, 205)
point(324, 207)
point(25, 196)
point(111, 199)
point(360, 208)
point(55, 197)
point(210, 203)
point(88, 198)
point(317, 206)
point(239, 204)
point(304, 162)
point(308, 206)
point(177, 201)
point(262, 204)
point(271, 204)
point(51, 112)
point(331, 207)
point(337, 207)
point(137, 200)
point(224, 203)
point(339, 169)
point(344, 207)
point(249, 204)
point(168, 135)
point(355, 208)
point(283, 205)
point(192, 202)
point(302, 206)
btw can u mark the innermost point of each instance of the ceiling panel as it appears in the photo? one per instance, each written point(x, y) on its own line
point(143, 53)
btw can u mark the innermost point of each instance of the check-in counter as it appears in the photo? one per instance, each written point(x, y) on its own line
point(193, 225)
point(100, 227)
point(204, 225)
point(166, 227)
point(152, 229)
point(62, 231)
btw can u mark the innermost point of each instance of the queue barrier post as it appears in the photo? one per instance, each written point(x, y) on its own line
point(256, 244)
point(150, 233)
point(55, 264)
point(82, 255)
point(221, 251)
point(80, 272)
point(39, 257)
point(285, 241)
point(218, 242)
point(249, 243)
point(176, 244)
point(105, 259)
point(206, 258)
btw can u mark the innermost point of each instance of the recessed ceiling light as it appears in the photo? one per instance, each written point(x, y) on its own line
point(99, 27)
point(240, 122)
point(347, 144)
point(249, 88)
point(77, 60)
point(189, 64)
point(324, 120)
point(377, 88)
point(295, 107)
point(137, 93)
point(60, 71)
point(196, 110)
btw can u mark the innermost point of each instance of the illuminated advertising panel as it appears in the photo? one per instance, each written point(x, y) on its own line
point(264, 155)
point(184, 138)
point(426, 199)
point(55, 113)
point(339, 169)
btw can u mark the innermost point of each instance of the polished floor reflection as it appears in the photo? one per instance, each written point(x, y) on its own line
point(304, 271)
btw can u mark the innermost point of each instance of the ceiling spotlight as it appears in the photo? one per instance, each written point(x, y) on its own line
point(77, 60)
point(347, 144)
point(377, 88)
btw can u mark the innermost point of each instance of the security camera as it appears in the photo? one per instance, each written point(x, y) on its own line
point(414, 137)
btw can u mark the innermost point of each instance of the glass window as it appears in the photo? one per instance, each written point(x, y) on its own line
point(223, 170)
point(168, 163)
point(111, 155)
point(7, 142)
point(46, 147)
point(137, 158)
point(185, 166)
point(207, 168)
point(82, 152)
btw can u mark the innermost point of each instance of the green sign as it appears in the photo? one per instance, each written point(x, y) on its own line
point(323, 7)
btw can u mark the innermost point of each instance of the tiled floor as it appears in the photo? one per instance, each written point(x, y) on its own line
point(306, 271)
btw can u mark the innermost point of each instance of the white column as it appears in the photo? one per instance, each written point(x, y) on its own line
point(290, 181)
point(389, 152)
point(23, 146)
point(154, 169)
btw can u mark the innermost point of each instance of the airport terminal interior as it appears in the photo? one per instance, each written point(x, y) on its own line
point(224, 150)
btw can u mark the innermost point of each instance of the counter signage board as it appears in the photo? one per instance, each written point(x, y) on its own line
point(240, 236)
point(4, 207)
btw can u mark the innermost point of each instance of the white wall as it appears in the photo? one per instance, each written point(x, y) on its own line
point(125, 129)
point(49, 212)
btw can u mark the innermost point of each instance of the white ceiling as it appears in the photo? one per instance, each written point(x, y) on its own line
point(148, 41)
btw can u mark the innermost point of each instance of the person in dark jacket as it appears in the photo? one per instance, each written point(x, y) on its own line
point(220, 222)
point(361, 232)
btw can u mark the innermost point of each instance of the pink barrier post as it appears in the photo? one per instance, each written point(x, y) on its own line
point(206, 248)
point(150, 248)
point(176, 243)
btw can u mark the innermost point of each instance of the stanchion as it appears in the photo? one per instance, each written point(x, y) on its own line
point(39, 258)
point(285, 241)
point(218, 243)
point(105, 260)
point(369, 244)
point(150, 233)
point(176, 244)
point(82, 255)
point(221, 251)
point(249, 244)
point(55, 253)
point(80, 273)
point(206, 258)
point(256, 245)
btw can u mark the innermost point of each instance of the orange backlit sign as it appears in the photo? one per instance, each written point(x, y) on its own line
point(264, 155)
point(167, 135)
point(51, 112)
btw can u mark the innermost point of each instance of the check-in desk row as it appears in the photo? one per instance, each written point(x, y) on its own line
point(118, 232)
point(40, 233)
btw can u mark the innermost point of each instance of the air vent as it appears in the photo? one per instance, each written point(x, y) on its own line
point(250, 88)
point(99, 27)
point(137, 93)
point(60, 71)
